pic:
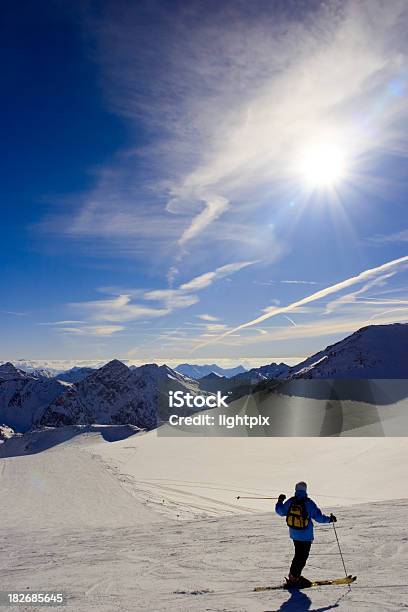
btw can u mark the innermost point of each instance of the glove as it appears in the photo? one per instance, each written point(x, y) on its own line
point(333, 519)
point(281, 498)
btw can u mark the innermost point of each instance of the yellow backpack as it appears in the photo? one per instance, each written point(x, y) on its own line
point(297, 517)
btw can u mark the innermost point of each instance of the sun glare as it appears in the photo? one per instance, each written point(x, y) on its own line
point(322, 165)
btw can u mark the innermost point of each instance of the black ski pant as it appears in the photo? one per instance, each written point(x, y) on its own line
point(302, 550)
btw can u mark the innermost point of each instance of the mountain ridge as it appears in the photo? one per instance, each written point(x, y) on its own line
point(199, 371)
point(138, 395)
point(373, 351)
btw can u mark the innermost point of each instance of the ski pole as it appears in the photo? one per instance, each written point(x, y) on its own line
point(246, 497)
point(341, 554)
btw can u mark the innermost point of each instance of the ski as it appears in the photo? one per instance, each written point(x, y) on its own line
point(336, 581)
point(313, 583)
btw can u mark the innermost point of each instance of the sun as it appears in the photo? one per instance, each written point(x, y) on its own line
point(322, 165)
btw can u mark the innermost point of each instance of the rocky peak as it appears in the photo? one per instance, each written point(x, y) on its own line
point(9, 372)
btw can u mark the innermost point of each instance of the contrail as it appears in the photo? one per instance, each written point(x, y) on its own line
point(318, 295)
point(380, 314)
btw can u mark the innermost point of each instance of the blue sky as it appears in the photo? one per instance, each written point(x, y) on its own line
point(202, 180)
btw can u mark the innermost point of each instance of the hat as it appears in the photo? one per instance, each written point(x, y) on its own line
point(301, 486)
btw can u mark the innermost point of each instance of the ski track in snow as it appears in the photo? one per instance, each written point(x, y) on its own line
point(80, 518)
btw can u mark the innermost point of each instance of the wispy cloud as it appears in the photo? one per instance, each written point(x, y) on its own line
point(204, 280)
point(171, 298)
point(367, 275)
point(215, 327)
point(224, 99)
point(261, 331)
point(66, 322)
point(258, 136)
point(14, 313)
point(183, 296)
point(400, 236)
point(401, 309)
point(312, 329)
point(121, 308)
point(228, 107)
point(214, 207)
point(92, 330)
point(298, 282)
point(286, 282)
point(207, 317)
point(298, 309)
point(352, 297)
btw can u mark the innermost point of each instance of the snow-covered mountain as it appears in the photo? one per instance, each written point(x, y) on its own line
point(373, 352)
point(9, 372)
point(24, 397)
point(265, 372)
point(198, 371)
point(116, 394)
point(37, 369)
point(41, 372)
point(214, 382)
point(376, 351)
point(54, 367)
point(245, 382)
point(75, 374)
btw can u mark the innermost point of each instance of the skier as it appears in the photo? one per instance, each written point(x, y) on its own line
point(299, 511)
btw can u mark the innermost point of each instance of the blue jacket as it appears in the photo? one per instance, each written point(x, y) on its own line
point(313, 512)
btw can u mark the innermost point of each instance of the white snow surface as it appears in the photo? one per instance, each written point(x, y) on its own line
point(151, 523)
point(5, 433)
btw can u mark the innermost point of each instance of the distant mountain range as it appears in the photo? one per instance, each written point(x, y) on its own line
point(118, 394)
point(214, 382)
point(52, 369)
point(112, 394)
point(198, 371)
point(75, 374)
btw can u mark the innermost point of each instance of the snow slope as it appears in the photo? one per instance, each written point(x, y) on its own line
point(202, 476)
point(63, 488)
point(99, 521)
point(376, 351)
point(211, 565)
